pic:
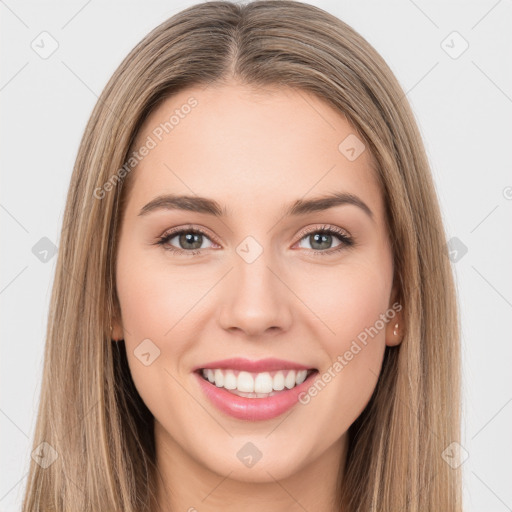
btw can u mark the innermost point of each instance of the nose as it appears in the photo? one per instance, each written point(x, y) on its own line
point(256, 300)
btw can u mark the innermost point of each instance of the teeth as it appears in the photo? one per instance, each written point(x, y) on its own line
point(230, 380)
point(278, 382)
point(289, 380)
point(219, 378)
point(244, 383)
point(301, 377)
point(256, 385)
point(263, 383)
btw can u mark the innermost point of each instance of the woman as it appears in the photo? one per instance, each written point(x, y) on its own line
point(302, 352)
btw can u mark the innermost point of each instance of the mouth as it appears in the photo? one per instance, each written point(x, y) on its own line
point(255, 384)
point(254, 391)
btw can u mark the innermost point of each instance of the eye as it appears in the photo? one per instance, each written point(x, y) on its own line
point(321, 239)
point(189, 241)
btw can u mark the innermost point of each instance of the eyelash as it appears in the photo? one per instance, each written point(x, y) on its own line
point(346, 241)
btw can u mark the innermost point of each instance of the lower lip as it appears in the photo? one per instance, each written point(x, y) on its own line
point(253, 409)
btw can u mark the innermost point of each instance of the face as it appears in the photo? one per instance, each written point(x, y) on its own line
point(258, 277)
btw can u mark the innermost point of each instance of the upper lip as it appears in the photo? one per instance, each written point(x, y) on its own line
point(248, 365)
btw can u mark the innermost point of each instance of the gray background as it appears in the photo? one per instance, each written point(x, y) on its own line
point(463, 104)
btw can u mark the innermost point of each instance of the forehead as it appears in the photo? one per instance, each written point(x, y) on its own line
point(251, 149)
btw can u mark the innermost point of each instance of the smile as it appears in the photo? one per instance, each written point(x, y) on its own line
point(238, 389)
point(255, 385)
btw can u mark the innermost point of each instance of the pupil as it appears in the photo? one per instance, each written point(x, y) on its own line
point(326, 238)
point(193, 238)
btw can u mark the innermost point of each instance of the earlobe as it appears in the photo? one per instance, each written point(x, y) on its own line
point(395, 326)
point(116, 332)
point(116, 326)
point(394, 331)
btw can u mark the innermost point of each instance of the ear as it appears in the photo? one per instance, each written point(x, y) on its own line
point(116, 326)
point(395, 325)
point(117, 333)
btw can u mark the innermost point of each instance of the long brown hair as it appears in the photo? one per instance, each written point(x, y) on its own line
point(90, 413)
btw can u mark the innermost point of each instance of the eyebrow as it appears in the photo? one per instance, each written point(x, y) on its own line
point(210, 207)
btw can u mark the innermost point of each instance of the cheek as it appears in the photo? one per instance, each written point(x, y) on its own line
point(352, 300)
point(354, 342)
point(150, 308)
point(154, 298)
point(153, 306)
point(363, 301)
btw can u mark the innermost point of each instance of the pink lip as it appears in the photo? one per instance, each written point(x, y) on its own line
point(262, 365)
point(253, 409)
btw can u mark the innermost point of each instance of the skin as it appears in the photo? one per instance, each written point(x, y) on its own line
point(255, 153)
